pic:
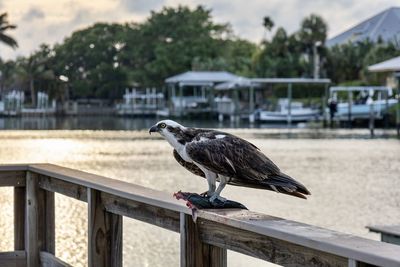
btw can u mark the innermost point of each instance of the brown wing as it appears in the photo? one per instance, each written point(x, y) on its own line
point(233, 157)
point(238, 159)
point(187, 165)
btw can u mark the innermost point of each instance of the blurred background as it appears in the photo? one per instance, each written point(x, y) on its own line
point(315, 85)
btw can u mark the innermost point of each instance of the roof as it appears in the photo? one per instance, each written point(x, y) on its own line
point(256, 82)
point(291, 80)
point(388, 65)
point(202, 77)
point(237, 83)
point(384, 25)
point(360, 88)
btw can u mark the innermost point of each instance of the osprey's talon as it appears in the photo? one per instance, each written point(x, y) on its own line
point(215, 197)
point(207, 194)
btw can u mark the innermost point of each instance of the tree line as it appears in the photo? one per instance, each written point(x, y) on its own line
point(102, 60)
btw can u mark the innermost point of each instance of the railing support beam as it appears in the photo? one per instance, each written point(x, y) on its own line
point(196, 253)
point(19, 218)
point(105, 233)
point(39, 221)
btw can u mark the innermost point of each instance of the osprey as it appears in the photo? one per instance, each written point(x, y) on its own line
point(228, 159)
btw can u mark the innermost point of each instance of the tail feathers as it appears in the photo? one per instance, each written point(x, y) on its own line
point(283, 183)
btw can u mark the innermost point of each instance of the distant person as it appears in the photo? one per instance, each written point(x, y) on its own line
point(332, 104)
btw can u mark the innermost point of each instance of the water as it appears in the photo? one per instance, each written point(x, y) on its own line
point(354, 183)
point(103, 123)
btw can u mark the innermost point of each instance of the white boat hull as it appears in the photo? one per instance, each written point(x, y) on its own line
point(295, 116)
point(362, 111)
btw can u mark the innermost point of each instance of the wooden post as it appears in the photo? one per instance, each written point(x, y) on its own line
point(19, 218)
point(386, 114)
point(251, 104)
point(236, 103)
point(195, 253)
point(180, 100)
point(105, 234)
point(289, 95)
point(371, 118)
point(32, 219)
point(211, 97)
point(398, 111)
point(47, 221)
point(324, 106)
point(350, 95)
point(40, 220)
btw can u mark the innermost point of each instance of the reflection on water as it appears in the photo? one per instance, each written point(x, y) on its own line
point(103, 123)
point(354, 182)
point(281, 130)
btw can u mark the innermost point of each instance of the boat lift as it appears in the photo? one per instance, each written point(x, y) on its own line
point(369, 91)
point(256, 83)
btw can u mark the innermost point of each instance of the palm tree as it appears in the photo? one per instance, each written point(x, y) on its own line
point(268, 25)
point(4, 26)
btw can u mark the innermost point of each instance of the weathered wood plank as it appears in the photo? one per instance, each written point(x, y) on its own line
point(196, 253)
point(111, 186)
point(164, 218)
point(62, 187)
point(105, 233)
point(49, 260)
point(263, 247)
point(46, 221)
point(32, 244)
point(40, 220)
point(12, 178)
point(308, 236)
point(13, 259)
point(19, 218)
point(14, 167)
point(115, 238)
point(354, 263)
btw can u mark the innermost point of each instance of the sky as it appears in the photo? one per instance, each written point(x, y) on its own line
point(49, 21)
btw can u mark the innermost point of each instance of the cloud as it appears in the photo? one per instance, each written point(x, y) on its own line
point(81, 16)
point(55, 20)
point(142, 6)
point(32, 14)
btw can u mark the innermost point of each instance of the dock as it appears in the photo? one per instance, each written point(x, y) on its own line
point(203, 243)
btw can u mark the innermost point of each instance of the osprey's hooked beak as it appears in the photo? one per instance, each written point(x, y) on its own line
point(153, 129)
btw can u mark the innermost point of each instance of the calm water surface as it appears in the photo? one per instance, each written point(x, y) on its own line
point(354, 183)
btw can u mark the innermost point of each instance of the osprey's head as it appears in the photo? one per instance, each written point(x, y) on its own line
point(165, 127)
point(172, 131)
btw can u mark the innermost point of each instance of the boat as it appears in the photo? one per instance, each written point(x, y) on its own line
point(298, 113)
point(362, 110)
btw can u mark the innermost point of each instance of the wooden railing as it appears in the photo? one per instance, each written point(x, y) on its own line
point(203, 243)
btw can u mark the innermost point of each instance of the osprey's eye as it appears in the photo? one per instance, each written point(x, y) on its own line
point(162, 125)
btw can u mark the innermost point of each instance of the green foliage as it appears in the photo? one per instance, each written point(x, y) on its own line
point(172, 41)
point(279, 58)
point(313, 29)
point(235, 56)
point(102, 60)
point(289, 55)
point(90, 60)
point(349, 62)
